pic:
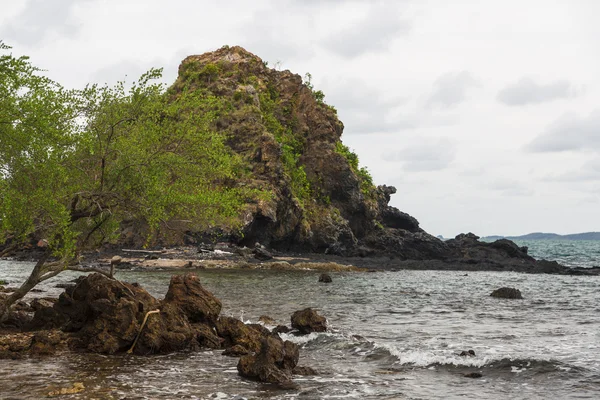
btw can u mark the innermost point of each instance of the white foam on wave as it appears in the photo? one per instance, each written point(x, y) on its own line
point(300, 340)
point(426, 358)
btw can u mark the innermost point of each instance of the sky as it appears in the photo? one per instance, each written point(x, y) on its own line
point(484, 114)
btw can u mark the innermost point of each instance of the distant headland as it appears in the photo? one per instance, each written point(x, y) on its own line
point(549, 236)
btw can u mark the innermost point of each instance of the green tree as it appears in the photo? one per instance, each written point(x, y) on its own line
point(74, 164)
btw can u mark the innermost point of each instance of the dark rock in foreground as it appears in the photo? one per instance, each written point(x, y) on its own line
point(103, 315)
point(507, 293)
point(273, 363)
point(308, 320)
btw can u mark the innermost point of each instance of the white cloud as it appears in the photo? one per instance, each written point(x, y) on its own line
point(527, 91)
point(570, 132)
point(451, 89)
point(431, 155)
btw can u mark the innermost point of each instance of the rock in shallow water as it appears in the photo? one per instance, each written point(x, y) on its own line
point(308, 320)
point(273, 363)
point(507, 293)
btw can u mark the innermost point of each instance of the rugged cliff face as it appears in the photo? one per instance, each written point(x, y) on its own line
point(320, 200)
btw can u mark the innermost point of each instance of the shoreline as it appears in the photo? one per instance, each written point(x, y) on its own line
point(227, 256)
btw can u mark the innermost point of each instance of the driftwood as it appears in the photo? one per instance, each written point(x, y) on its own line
point(144, 251)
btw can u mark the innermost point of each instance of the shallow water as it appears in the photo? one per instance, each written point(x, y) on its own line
point(393, 335)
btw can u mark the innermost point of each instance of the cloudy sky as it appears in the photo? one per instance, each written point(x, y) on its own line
point(485, 114)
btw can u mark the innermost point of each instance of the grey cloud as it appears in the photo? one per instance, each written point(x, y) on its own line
point(129, 70)
point(432, 156)
point(589, 172)
point(374, 33)
point(364, 109)
point(569, 132)
point(39, 18)
point(509, 187)
point(527, 91)
point(451, 89)
point(267, 35)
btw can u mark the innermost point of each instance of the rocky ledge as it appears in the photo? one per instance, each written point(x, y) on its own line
point(103, 315)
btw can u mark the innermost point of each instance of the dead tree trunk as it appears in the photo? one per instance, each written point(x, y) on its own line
point(42, 271)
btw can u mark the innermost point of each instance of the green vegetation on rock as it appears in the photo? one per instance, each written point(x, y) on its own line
point(366, 181)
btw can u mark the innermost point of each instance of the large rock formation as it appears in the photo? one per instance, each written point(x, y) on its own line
point(290, 140)
point(311, 194)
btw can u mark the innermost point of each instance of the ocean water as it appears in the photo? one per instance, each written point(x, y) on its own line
point(572, 253)
point(393, 335)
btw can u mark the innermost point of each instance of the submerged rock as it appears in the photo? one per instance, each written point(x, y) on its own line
point(304, 371)
point(281, 329)
point(308, 320)
point(507, 293)
point(325, 278)
point(265, 319)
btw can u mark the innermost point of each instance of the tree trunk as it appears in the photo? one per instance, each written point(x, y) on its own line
point(30, 283)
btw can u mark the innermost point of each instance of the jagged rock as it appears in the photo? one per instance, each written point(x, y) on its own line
point(305, 371)
point(197, 303)
point(235, 332)
point(243, 251)
point(235, 351)
point(49, 342)
point(281, 329)
point(308, 320)
point(37, 304)
point(265, 319)
point(467, 353)
point(262, 254)
point(507, 293)
point(17, 319)
point(273, 363)
point(325, 278)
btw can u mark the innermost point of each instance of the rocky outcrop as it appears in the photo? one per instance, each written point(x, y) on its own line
point(103, 315)
point(507, 293)
point(308, 320)
point(290, 140)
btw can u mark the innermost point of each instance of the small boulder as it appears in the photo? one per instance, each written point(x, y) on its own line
point(325, 278)
point(235, 351)
point(308, 320)
point(265, 319)
point(235, 332)
point(197, 303)
point(273, 363)
point(304, 371)
point(281, 329)
point(473, 375)
point(262, 254)
point(467, 353)
point(116, 260)
point(507, 293)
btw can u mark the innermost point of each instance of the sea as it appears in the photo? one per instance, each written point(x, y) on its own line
point(392, 335)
